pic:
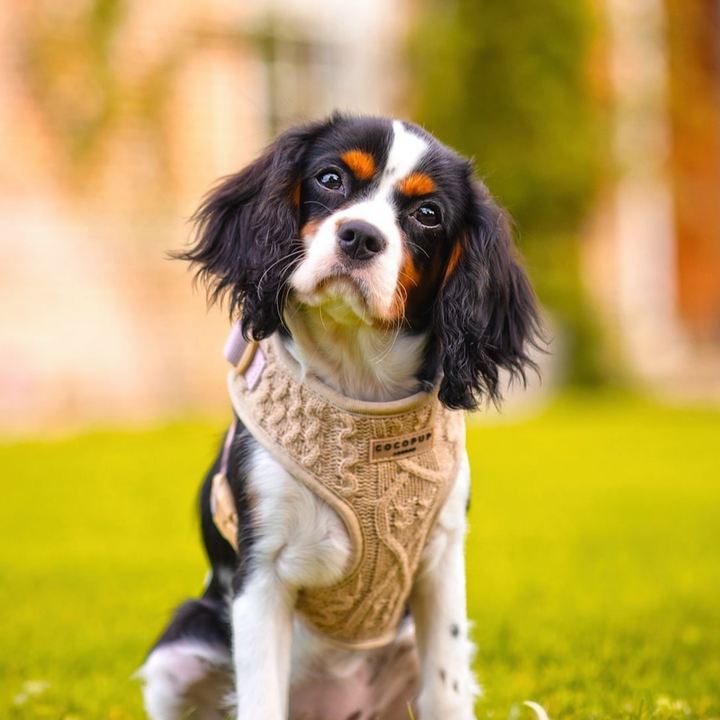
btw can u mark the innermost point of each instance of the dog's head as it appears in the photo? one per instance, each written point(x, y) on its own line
point(379, 223)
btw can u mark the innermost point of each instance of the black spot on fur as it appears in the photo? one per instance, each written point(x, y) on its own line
point(443, 675)
point(454, 630)
point(237, 474)
point(456, 687)
point(203, 620)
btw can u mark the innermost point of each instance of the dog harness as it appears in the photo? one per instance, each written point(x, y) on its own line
point(385, 468)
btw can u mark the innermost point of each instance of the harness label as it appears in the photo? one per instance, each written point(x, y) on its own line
point(401, 445)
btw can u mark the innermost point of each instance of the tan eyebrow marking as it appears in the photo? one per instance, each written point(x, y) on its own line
point(360, 162)
point(416, 184)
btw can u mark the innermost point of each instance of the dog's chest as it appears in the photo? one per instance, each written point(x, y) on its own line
point(303, 537)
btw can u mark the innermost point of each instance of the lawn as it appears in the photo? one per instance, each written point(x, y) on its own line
point(593, 562)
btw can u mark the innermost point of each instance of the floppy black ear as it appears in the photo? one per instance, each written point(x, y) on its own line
point(248, 235)
point(486, 316)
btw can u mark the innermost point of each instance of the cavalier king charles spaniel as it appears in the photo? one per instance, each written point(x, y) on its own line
point(373, 260)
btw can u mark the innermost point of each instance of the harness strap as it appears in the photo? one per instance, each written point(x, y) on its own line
point(238, 352)
point(222, 504)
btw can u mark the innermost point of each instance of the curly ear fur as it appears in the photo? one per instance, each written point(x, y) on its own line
point(248, 234)
point(486, 315)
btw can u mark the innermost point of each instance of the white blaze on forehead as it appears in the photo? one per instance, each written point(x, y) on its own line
point(405, 153)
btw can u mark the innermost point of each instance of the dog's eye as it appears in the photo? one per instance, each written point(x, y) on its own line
point(427, 215)
point(330, 180)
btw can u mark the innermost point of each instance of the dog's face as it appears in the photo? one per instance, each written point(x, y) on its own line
point(377, 223)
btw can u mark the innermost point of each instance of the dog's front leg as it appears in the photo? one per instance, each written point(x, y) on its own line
point(262, 626)
point(439, 610)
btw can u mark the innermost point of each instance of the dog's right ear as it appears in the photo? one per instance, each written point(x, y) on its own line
point(248, 234)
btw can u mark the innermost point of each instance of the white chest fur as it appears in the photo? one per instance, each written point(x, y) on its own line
point(298, 534)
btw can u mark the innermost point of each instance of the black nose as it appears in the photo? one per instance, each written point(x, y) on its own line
point(360, 240)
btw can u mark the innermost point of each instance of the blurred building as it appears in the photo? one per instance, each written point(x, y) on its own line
point(654, 257)
point(115, 118)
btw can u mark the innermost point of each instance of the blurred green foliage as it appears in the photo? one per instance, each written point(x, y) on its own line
point(508, 84)
point(593, 563)
point(68, 59)
point(81, 72)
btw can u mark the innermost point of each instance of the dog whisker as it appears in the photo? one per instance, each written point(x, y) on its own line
point(316, 202)
point(412, 280)
point(422, 250)
point(275, 264)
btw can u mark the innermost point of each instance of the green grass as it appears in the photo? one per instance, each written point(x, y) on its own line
point(593, 562)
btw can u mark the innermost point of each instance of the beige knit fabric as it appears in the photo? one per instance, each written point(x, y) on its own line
point(389, 505)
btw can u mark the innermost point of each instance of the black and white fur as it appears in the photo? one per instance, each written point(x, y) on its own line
point(379, 288)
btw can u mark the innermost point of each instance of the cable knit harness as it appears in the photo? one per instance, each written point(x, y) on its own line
point(385, 468)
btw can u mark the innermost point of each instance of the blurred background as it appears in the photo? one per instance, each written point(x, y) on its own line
point(594, 555)
point(597, 124)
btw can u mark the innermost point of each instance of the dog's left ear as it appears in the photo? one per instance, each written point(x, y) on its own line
point(486, 315)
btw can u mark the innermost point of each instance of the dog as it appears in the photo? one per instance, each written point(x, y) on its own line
point(375, 279)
